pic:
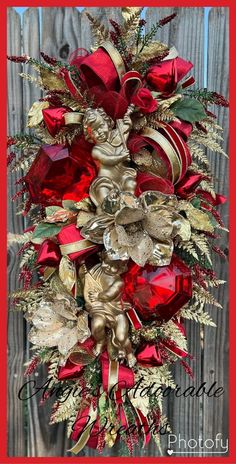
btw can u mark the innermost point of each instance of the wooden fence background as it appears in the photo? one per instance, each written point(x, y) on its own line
point(61, 30)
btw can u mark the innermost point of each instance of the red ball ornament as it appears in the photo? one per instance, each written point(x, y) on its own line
point(59, 173)
point(158, 292)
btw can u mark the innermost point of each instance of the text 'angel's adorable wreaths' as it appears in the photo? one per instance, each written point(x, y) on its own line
point(118, 188)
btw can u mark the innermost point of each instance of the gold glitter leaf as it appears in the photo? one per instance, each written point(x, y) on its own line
point(67, 273)
point(83, 331)
point(35, 115)
point(127, 12)
point(153, 49)
point(197, 218)
point(51, 80)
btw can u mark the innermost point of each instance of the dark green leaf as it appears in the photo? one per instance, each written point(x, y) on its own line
point(51, 209)
point(189, 110)
point(46, 230)
point(196, 202)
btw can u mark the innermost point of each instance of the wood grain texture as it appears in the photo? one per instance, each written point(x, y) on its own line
point(16, 324)
point(31, 47)
point(184, 414)
point(215, 354)
point(62, 31)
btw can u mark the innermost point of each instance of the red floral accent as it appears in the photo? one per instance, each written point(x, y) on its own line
point(49, 59)
point(18, 59)
point(32, 366)
point(167, 19)
point(165, 76)
point(144, 100)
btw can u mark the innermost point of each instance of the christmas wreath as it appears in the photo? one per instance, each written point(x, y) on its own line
point(123, 208)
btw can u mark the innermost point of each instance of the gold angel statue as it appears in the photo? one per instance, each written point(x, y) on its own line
point(110, 150)
point(103, 288)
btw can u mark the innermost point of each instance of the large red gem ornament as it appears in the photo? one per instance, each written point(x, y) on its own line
point(60, 173)
point(158, 292)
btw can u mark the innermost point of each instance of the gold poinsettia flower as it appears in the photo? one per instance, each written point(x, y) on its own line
point(142, 229)
point(57, 322)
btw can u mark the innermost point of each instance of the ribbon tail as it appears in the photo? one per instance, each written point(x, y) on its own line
point(144, 422)
point(84, 437)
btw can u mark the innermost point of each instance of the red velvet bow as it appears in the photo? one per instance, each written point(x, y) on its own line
point(146, 181)
point(111, 90)
point(70, 234)
point(149, 355)
point(125, 375)
point(54, 119)
point(218, 200)
point(165, 76)
point(80, 424)
point(115, 102)
point(49, 254)
point(187, 186)
point(74, 367)
point(99, 69)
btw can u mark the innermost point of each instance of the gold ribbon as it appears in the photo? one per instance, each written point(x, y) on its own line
point(174, 143)
point(73, 118)
point(168, 149)
point(84, 437)
point(113, 374)
point(74, 247)
point(48, 272)
point(115, 57)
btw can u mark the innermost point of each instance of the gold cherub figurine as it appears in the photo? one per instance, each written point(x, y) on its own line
point(110, 150)
point(102, 293)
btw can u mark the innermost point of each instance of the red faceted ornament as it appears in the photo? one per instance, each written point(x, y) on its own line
point(158, 292)
point(59, 173)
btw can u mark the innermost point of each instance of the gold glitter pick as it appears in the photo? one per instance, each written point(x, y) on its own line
point(67, 272)
point(50, 80)
point(55, 324)
point(35, 115)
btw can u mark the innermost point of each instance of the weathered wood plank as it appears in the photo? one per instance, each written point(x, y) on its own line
point(31, 47)
point(16, 334)
point(215, 354)
point(103, 14)
point(40, 438)
point(60, 31)
point(185, 32)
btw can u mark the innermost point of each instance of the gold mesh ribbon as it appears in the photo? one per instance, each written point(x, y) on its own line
point(84, 437)
point(113, 374)
point(74, 247)
point(73, 118)
point(168, 149)
point(115, 57)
